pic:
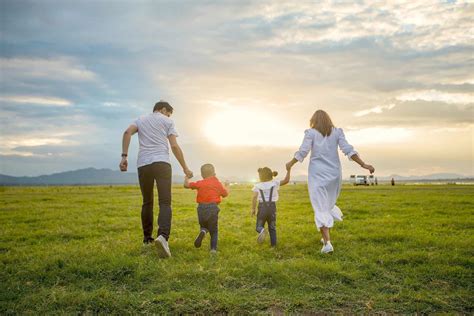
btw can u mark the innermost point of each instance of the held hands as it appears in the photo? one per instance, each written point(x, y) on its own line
point(290, 164)
point(368, 167)
point(123, 164)
point(188, 173)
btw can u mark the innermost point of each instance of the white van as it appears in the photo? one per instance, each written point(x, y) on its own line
point(357, 179)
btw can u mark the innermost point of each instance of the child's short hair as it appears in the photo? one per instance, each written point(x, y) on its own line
point(207, 170)
point(266, 174)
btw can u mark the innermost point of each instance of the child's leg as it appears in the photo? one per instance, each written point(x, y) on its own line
point(202, 218)
point(260, 220)
point(213, 227)
point(271, 219)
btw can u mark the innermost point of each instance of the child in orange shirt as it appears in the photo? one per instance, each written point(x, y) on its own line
point(209, 193)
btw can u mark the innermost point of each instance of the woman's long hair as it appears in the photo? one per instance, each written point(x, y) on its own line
point(321, 122)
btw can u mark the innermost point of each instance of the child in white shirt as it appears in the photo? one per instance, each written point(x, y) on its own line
point(266, 191)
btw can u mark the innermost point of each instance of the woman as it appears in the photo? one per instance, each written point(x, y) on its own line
point(324, 174)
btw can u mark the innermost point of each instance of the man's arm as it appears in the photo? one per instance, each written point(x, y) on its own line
point(178, 153)
point(127, 136)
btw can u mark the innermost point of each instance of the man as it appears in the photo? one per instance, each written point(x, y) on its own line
point(155, 131)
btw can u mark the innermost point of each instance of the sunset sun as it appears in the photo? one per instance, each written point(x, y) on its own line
point(248, 127)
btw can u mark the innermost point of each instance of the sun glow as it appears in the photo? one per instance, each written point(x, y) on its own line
point(255, 127)
point(250, 127)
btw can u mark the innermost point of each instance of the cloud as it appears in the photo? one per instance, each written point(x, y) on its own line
point(417, 25)
point(25, 146)
point(376, 109)
point(111, 104)
point(283, 59)
point(418, 113)
point(437, 96)
point(37, 100)
point(379, 135)
point(60, 68)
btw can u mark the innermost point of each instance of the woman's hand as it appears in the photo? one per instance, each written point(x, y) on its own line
point(368, 167)
point(290, 164)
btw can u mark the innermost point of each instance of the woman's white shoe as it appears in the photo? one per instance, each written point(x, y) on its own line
point(327, 248)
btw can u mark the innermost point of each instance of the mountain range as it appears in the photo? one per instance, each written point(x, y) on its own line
point(93, 176)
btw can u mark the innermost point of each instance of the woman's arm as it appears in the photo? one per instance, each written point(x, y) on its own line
point(254, 203)
point(350, 152)
point(345, 147)
point(287, 177)
point(290, 164)
point(361, 163)
point(303, 151)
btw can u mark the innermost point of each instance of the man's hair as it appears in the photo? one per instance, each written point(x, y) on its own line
point(207, 170)
point(162, 104)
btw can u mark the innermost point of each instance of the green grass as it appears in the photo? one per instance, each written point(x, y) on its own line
point(401, 249)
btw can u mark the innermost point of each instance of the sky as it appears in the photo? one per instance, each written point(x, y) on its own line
point(244, 78)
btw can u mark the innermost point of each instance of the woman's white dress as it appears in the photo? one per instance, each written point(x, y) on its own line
point(324, 172)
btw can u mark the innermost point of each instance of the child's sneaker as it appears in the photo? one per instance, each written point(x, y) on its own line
point(322, 241)
point(213, 252)
point(261, 236)
point(199, 238)
point(162, 247)
point(327, 248)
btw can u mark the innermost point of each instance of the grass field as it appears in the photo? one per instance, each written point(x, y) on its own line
point(401, 249)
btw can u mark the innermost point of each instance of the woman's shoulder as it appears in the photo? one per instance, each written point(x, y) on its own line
point(337, 131)
point(310, 131)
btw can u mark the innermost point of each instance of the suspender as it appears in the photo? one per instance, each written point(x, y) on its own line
point(267, 204)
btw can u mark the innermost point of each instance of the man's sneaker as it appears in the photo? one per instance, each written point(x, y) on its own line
point(261, 236)
point(327, 248)
point(199, 238)
point(162, 247)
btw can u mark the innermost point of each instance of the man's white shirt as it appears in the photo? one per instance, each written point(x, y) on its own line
point(153, 132)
